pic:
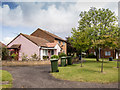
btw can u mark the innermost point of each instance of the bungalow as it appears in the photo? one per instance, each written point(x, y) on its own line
point(106, 53)
point(40, 42)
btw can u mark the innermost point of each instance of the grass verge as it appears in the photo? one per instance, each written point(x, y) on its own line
point(5, 76)
point(90, 72)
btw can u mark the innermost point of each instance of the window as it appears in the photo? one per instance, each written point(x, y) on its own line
point(107, 53)
point(93, 53)
point(52, 52)
point(59, 42)
point(63, 43)
point(45, 52)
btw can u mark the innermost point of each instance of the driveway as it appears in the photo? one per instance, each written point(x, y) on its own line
point(39, 77)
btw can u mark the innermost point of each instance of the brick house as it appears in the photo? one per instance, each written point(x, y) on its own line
point(40, 42)
point(52, 38)
point(106, 53)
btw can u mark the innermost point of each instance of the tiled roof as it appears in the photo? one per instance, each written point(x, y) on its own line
point(53, 35)
point(3, 45)
point(37, 40)
point(50, 44)
point(15, 46)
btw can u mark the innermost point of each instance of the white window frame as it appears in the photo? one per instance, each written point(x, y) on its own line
point(107, 53)
point(45, 52)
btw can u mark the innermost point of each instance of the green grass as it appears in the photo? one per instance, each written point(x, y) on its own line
point(6, 76)
point(90, 72)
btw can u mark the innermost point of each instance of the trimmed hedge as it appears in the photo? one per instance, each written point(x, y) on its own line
point(55, 56)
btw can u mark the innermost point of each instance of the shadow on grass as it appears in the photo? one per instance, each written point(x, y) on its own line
point(89, 70)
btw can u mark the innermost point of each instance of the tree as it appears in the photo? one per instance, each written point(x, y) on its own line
point(94, 26)
point(117, 43)
point(5, 53)
point(70, 48)
point(80, 40)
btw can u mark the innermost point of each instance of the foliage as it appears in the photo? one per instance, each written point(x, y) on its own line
point(34, 56)
point(97, 28)
point(91, 55)
point(5, 53)
point(90, 72)
point(54, 57)
point(14, 56)
point(45, 57)
point(62, 54)
point(70, 48)
point(24, 57)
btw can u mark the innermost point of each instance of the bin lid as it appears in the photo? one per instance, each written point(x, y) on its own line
point(53, 59)
point(63, 57)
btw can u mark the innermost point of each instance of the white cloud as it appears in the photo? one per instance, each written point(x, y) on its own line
point(6, 40)
point(59, 20)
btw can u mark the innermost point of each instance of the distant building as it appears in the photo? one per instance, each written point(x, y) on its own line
point(106, 53)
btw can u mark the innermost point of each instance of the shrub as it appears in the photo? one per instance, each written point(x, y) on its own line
point(55, 56)
point(62, 54)
point(5, 53)
point(14, 56)
point(45, 57)
point(91, 55)
point(34, 57)
point(24, 57)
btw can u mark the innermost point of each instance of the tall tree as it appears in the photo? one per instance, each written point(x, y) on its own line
point(96, 23)
point(70, 48)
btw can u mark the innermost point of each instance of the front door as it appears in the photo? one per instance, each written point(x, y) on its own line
point(52, 52)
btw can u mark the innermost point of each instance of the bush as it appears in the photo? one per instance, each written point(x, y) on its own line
point(24, 57)
point(14, 56)
point(62, 54)
point(55, 56)
point(45, 57)
point(91, 55)
point(34, 57)
point(5, 53)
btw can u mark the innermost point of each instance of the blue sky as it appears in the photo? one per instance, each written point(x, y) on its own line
point(56, 17)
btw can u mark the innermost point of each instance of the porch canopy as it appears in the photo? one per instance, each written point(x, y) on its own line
point(15, 46)
point(50, 46)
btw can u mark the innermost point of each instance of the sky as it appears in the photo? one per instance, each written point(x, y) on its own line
point(56, 17)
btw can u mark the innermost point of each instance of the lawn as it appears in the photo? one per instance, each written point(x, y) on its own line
point(90, 72)
point(6, 76)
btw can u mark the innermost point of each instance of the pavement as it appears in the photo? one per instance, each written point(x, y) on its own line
point(40, 77)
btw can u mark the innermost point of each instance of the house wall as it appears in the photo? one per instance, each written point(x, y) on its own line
point(27, 47)
point(57, 47)
point(102, 52)
point(64, 47)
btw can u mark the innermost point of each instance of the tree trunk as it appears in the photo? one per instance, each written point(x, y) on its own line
point(97, 54)
point(102, 66)
point(102, 61)
point(118, 60)
point(81, 59)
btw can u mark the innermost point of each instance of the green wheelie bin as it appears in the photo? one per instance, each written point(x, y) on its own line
point(69, 60)
point(54, 65)
point(63, 61)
